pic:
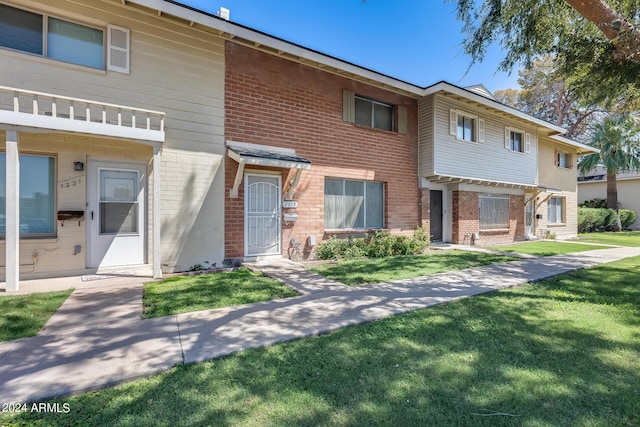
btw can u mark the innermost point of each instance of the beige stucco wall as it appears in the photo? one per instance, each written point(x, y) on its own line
point(628, 193)
point(176, 69)
point(557, 178)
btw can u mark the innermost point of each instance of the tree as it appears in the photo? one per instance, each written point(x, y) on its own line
point(618, 138)
point(596, 43)
point(545, 95)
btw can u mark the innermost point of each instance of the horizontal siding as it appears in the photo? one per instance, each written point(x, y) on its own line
point(176, 69)
point(488, 160)
point(425, 136)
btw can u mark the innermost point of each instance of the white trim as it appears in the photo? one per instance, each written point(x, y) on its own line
point(12, 218)
point(126, 49)
point(582, 148)
point(246, 216)
point(157, 213)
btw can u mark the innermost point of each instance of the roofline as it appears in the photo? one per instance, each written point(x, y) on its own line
point(207, 19)
point(210, 20)
point(582, 148)
point(444, 86)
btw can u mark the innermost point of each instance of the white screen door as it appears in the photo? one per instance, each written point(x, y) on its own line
point(116, 214)
point(528, 217)
point(262, 215)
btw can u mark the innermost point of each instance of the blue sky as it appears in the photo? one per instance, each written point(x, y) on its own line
point(414, 40)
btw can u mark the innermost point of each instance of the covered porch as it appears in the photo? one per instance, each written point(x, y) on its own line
point(27, 119)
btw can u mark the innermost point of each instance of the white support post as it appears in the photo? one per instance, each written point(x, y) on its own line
point(157, 256)
point(12, 238)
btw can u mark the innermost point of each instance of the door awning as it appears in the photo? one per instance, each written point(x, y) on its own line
point(268, 156)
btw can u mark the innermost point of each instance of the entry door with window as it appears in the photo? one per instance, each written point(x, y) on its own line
point(262, 215)
point(115, 214)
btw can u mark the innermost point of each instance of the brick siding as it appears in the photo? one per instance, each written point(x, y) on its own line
point(277, 102)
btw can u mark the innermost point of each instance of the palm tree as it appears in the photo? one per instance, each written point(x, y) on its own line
point(618, 138)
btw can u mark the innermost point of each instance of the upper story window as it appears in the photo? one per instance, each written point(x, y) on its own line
point(564, 160)
point(63, 40)
point(373, 114)
point(466, 127)
point(517, 140)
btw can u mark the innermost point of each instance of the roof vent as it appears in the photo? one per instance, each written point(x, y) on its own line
point(223, 13)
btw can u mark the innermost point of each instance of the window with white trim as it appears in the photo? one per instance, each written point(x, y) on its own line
point(37, 195)
point(62, 40)
point(517, 140)
point(350, 204)
point(466, 127)
point(494, 211)
point(555, 210)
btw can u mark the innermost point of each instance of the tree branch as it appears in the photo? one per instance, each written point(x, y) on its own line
point(621, 32)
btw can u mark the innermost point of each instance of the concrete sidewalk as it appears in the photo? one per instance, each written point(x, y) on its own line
point(97, 338)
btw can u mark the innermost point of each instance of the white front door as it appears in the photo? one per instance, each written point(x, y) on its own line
point(262, 215)
point(115, 214)
point(528, 217)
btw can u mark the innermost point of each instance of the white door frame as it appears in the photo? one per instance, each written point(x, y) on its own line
point(278, 214)
point(94, 166)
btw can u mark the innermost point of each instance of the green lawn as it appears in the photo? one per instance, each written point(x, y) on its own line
point(363, 271)
point(622, 238)
point(546, 248)
point(560, 352)
point(184, 294)
point(23, 316)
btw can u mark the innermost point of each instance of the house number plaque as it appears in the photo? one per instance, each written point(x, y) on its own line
point(289, 204)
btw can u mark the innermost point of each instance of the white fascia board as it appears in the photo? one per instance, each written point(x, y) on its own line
point(273, 42)
point(480, 181)
point(447, 87)
point(582, 148)
point(57, 124)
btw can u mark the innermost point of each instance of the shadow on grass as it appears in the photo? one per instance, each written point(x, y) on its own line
point(524, 356)
point(191, 293)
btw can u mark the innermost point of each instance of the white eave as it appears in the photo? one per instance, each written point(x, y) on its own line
point(258, 38)
point(465, 93)
point(582, 148)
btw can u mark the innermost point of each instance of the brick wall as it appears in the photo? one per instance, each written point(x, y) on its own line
point(466, 220)
point(276, 102)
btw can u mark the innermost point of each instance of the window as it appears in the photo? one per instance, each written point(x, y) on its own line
point(517, 140)
point(353, 204)
point(494, 211)
point(466, 127)
point(61, 40)
point(37, 195)
point(373, 114)
point(564, 160)
point(555, 210)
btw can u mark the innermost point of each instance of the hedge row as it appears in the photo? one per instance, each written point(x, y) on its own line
point(379, 245)
point(601, 219)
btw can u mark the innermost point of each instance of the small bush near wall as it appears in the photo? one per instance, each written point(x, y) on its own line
point(627, 217)
point(379, 245)
point(601, 219)
point(593, 203)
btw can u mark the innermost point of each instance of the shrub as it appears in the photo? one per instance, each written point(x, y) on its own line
point(593, 203)
point(627, 217)
point(595, 219)
point(379, 245)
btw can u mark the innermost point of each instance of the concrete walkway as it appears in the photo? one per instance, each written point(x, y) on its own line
point(97, 338)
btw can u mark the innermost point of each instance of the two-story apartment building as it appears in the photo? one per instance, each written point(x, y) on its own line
point(146, 135)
